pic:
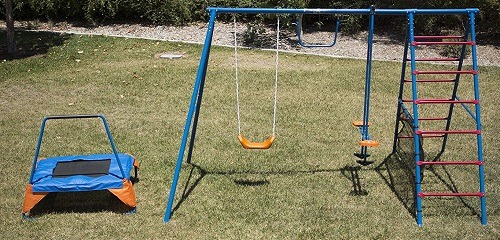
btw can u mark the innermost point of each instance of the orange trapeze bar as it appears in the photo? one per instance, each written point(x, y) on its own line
point(256, 145)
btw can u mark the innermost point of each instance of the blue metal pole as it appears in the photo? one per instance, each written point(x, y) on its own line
point(366, 104)
point(288, 11)
point(37, 150)
point(112, 143)
point(478, 119)
point(343, 11)
point(425, 11)
point(198, 103)
point(401, 89)
point(196, 90)
point(416, 139)
point(369, 55)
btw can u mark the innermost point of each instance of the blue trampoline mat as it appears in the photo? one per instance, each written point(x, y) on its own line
point(45, 180)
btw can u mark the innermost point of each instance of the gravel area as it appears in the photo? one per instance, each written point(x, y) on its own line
point(347, 46)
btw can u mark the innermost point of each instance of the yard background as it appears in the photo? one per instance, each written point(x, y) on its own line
point(306, 186)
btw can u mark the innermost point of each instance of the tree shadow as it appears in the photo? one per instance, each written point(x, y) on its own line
point(197, 174)
point(30, 43)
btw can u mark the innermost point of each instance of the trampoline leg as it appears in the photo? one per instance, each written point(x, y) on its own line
point(131, 211)
point(27, 217)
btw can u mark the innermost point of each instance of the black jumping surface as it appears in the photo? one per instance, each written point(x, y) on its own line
point(94, 168)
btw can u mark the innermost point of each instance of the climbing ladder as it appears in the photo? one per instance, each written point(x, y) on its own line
point(408, 107)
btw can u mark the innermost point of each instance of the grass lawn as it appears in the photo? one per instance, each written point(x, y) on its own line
point(307, 186)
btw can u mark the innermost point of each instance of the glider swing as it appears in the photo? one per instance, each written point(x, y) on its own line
point(244, 141)
point(298, 22)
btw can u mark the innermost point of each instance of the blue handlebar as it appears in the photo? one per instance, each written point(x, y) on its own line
point(42, 128)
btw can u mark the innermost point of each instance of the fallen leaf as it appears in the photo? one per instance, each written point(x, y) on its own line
point(136, 76)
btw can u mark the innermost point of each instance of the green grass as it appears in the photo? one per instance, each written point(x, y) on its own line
point(302, 188)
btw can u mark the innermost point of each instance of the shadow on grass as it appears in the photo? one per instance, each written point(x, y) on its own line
point(79, 202)
point(399, 175)
point(400, 178)
point(82, 202)
point(30, 43)
point(197, 173)
point(352, 173)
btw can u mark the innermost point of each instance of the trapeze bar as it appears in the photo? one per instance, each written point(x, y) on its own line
point(343, 11)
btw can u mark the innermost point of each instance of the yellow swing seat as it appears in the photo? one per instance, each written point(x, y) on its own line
point(256, 145)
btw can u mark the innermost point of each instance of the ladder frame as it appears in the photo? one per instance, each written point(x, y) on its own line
point(409, 48)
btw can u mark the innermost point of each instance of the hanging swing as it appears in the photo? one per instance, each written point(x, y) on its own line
point(244, 141)
point(300, 34)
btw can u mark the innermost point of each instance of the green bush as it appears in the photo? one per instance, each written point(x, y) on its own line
point(100, 9)
point(168, 12)
point(179, 12)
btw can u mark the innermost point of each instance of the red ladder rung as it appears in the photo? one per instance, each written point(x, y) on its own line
point(443, 43)
point(433, 119)
point(433, 136)
point(417, 72)
point(436, 37)
point(431, 101)
point(405, 136)
point(434, 101)
point(434, 59)
point(450, 194)
point(431, 80)
point(426, 136)
point(424, 132)
point(420, 163)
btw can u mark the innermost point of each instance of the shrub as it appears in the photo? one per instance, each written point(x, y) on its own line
point(168, 12)
point(96, 10)
point(180, 12)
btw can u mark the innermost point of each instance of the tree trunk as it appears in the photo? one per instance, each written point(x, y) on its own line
point(11, 44)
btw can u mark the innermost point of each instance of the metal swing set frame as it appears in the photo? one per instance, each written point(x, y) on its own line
point(365, 142)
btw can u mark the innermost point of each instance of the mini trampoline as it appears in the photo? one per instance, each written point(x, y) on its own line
point(79, 173)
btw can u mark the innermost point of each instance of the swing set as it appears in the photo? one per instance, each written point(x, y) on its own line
point(362, 125)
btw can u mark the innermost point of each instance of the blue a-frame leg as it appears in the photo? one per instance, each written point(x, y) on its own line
point(194, 109)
